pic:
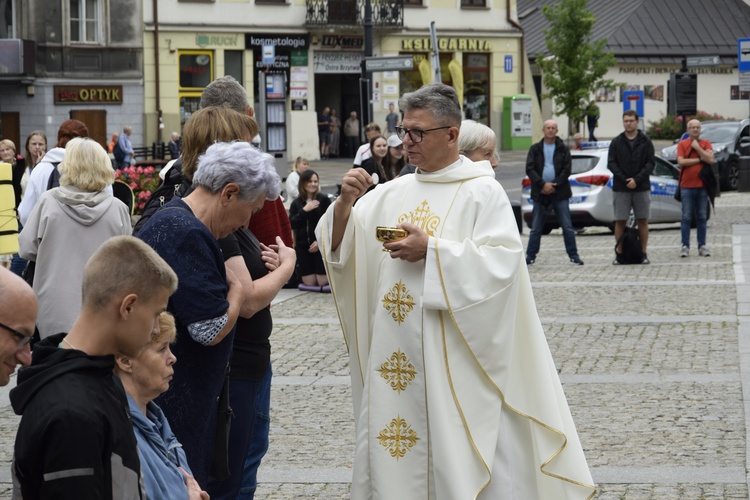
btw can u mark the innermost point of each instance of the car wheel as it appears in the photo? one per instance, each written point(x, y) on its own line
point(547, 230)
point(730, 179)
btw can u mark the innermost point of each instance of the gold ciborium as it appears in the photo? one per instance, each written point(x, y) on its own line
point(386, 234)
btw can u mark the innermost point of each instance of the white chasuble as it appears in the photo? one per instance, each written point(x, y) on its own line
point(455, 392)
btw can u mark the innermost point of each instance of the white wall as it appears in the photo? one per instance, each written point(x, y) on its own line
point(713, 96)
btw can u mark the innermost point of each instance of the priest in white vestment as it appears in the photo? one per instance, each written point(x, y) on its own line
point(455, 392)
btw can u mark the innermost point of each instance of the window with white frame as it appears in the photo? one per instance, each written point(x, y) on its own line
point(84, 21)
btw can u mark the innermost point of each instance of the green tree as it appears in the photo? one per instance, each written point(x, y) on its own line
point(574, 66)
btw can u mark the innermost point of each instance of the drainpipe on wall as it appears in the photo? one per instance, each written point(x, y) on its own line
point(522, 56)
point(160, 124)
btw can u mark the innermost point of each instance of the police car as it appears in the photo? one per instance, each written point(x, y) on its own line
point(591, 183)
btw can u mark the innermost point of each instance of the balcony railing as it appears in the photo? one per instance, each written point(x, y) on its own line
point(385, 13)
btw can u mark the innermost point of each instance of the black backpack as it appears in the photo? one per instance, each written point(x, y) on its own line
point(630, 242)
point(54, 176)
point(118, 152)
point(175, 184)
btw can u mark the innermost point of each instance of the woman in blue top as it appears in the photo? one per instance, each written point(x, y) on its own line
point(231, 183)
point(164, 467)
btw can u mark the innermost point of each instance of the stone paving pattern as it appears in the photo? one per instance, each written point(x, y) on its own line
point(648, 356)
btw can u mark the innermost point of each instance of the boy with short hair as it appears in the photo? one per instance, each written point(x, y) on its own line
point(75, 439)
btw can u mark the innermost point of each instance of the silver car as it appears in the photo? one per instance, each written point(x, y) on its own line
point(591, 183)
point(730, 140)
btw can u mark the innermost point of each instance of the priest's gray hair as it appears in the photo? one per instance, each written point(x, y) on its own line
point(440, 99)
point(474, 136)
point(238, 162)
point(225, 91)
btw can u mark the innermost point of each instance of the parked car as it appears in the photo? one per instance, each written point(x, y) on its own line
point(730, 140)
point(591, 183)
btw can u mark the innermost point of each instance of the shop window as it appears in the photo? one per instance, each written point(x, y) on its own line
point(473, 3)
point(477, 87)
point(84, 21)
point(189, 104)
point(7, 19)
point(233, 65)
point(196, 69)
point(410, 81)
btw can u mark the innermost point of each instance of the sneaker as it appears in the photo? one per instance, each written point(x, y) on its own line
point(576, 260)
point(645, 259)
point(703, 251)
point(685, 251)
point(530, 262)
point(618, 259)
point(308, 288)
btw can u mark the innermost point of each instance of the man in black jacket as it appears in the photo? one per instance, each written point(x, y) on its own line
point(75, 439)
point(548, 166)
point(631, 160)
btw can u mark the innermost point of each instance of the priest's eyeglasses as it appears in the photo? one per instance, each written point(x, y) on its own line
point(21, 339)
point(416, 135)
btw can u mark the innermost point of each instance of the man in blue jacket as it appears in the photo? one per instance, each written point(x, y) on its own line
point(548, 166)
point(631, 160)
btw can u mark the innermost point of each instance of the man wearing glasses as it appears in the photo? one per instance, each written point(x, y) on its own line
point(18, 308)
point(454, 387)
point(631, 160)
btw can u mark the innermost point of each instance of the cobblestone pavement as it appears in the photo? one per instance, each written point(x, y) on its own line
point(654, 360)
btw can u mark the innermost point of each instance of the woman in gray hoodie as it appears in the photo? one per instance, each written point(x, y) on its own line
point(66, 226)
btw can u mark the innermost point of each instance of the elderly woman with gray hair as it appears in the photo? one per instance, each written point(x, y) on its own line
point(231, 183)
point(477, 142)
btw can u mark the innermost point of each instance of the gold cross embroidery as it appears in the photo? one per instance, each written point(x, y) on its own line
point(423, 217)
point(398, 302)
point(398, 371)
point(398, 437)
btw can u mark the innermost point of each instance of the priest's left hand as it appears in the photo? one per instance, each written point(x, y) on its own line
point(413, 248)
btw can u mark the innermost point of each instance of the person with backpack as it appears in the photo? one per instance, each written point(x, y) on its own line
point(40, 176)
point(631, 160)
point(123, 150)
point(67, 225)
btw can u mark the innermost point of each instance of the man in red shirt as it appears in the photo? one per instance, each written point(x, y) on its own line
point(692, 154)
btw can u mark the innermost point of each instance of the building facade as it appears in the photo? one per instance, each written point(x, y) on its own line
point(650, 39)
point(296, 57)
point(78, 59)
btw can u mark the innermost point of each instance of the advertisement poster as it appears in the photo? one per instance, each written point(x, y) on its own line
point(520, 120)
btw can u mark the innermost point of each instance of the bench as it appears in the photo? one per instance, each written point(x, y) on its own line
point(154, 155)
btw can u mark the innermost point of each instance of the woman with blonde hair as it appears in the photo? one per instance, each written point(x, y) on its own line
point(8, 155)
point(67, 225)
point(292, 181)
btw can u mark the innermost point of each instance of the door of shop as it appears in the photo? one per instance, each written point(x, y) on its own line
point(11, 121)
point(339, 92)
point(96, 122)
